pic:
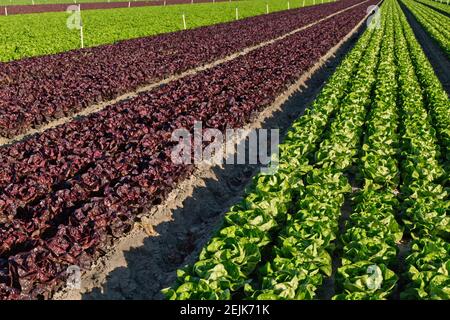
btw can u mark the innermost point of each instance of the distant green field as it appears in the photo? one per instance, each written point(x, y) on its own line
point(47, 33)
point(23, 2)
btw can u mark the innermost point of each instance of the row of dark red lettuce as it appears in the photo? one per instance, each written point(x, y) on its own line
point(61, 7)
point(32, 168)
point(132, 170)
point(36, 90)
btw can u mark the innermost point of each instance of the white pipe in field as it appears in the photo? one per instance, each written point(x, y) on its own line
point(6, 11)
point(129, 4)
point(289, 5)
point(184, 22)
point(237, 13)
point(267, 8)
point(82, 36)
point(81, 28)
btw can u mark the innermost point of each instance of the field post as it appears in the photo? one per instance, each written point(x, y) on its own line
point(129, 4)
point(237, 13)
point(267, 8)
point(303, 3)
point(6, 11)
point(184, 22)
point(81, 28)
point(289, 6)
point(32, 1)
point(164, 3)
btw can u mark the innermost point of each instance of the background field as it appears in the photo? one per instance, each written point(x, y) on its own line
point(46, 33)
point(30, 2)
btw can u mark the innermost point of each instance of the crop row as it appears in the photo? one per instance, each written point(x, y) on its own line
point(278, 243)
point(36, 90)
point(370, 254)
point(437, 5)
point(301, 252)
point(425, 204)
point(371, 231)
point(435, 23)
point(130, 168)
point(29, 171)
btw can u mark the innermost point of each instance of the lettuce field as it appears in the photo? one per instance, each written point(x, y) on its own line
point(357, 208)
point(30, 35)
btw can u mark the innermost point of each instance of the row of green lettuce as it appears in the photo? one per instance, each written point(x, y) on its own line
point(372, 232)
point(425, 201)
point(30, 35)
point(277, 242)
point(409, 93)
point(370, 256)
point(435, 23)
point(437, 100)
